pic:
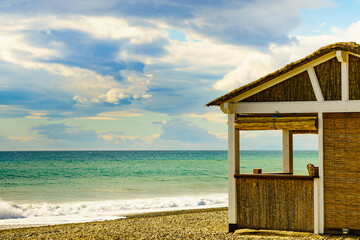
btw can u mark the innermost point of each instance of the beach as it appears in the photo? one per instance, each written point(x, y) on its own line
point(187, 224)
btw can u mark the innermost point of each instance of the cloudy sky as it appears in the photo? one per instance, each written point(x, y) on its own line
point(124, 75)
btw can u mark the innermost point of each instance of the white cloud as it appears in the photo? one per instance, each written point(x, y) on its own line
point(116, 137)
point(204, 54)
point(151, 138)
point(216, 117)
point(121, 114)
point(103, 27)
point(136, 86)
point(22, 139)
point(253, 67)
point(221, 135)
point(257, 65)
point(121, 138)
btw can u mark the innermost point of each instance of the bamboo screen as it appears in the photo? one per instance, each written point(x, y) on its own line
point(297, 88)
point(342, 171)
point(354, 77)
point(329, 77)
point(308, 123)
point(281, 204)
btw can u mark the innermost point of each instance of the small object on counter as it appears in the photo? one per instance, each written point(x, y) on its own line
point(257, 171)
point(312, 170)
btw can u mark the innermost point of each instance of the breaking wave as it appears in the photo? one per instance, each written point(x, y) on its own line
point(46, 213)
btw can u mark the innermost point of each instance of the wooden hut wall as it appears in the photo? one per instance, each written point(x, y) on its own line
point(342, 171)
point(275, 203)
point(297, 88)
point(354, 77)
point(329, 77)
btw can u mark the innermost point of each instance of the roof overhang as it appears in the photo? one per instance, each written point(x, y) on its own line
point(321, 55)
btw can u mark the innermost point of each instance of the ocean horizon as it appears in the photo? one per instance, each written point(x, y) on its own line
point(54, 187)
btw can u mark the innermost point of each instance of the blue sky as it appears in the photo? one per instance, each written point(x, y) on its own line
point(124, 75)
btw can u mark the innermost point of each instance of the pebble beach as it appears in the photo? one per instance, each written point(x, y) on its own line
point(186, 224)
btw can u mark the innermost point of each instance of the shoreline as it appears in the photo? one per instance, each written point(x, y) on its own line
point(150, 213)
point(210, 223)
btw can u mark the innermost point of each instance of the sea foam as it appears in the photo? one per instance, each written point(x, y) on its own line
point(44, 213)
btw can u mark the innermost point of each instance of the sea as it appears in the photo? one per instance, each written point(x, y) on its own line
point(56, 187)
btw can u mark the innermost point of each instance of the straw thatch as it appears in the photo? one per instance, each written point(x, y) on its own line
point(329, 77)
point(354, 77)
point(287, 90)
point(351, 47)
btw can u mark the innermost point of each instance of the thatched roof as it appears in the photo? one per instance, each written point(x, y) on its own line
point(351, 47)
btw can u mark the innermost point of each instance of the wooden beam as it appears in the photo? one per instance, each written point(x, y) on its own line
point(345, 77)
point(287, 151)
point(298, 107)
point(233, 168)
point(315, 84)
point(343, 58)
point(283, 77)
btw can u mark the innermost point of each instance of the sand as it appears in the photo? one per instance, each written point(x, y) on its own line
point(188, 224)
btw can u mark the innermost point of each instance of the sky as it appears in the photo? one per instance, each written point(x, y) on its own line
point(136, 75)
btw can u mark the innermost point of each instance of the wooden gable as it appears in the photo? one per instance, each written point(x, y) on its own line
point(330, 74)
point(329, 77)
point(297, 88)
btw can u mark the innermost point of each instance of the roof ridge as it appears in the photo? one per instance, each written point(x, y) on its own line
point(345, 46)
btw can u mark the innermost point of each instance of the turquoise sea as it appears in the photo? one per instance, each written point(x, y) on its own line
point(75, 186)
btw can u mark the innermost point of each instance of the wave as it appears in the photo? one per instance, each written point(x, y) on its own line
point(46, 213)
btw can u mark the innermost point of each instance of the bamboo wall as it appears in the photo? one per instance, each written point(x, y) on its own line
point(329, 77)
point(354, 77)
point(342, 171)
point(275, 203)
point(297, 88)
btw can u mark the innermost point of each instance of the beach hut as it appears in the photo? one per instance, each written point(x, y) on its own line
point(319, 94)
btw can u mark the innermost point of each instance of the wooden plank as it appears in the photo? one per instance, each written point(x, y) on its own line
point(274, 176)
point(298, 107)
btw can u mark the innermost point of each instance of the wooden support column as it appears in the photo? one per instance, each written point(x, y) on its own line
point(343, 58)
point(320, 204)
point(233, 167)
point(287, 151)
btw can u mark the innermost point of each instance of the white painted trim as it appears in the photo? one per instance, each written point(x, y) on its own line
point(316, 206)
point(315, 84)
point(298, 107)
point(227, 108)
point(233, 167)
point(283, 77)
point(341, 56)
point(321, 172)
point(287, 151)
point(345, 78)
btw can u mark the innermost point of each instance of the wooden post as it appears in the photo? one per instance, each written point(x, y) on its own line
point(316, 206)
point(233, 168)
point(343, 57)
point(287, 151)
point(321, 173)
